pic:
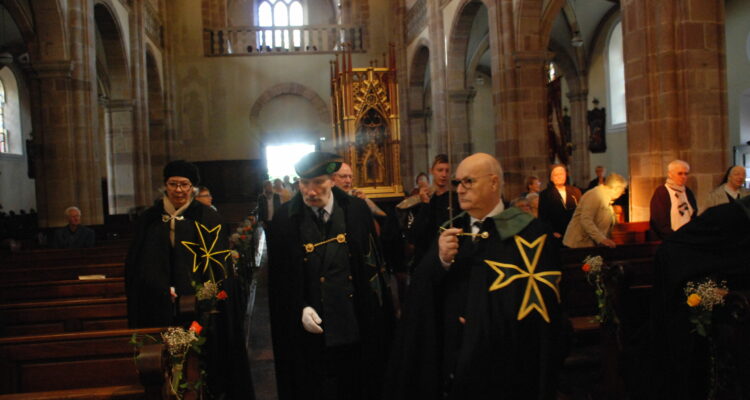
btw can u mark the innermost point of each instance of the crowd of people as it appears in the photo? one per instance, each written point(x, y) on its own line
point(483, 299)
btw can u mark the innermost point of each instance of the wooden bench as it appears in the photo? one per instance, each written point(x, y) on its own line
point(93, 255)
point(94, 364)
point(59, 290)
point(33, 273)
point(63, 316)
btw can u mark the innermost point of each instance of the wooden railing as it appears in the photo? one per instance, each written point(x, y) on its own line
point(256, 40)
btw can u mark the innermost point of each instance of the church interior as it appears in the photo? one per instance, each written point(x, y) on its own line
point(96, 96)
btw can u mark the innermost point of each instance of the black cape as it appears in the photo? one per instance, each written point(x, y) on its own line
point(295, 350)
point(495, 355)
point(714, 245)
point(153, 265)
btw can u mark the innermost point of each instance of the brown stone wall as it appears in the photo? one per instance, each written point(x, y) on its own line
point(676, 94)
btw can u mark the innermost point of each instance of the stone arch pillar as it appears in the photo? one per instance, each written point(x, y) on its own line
point(419, 113)
point(676, 94)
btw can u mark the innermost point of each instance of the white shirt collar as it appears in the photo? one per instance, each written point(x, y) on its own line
point(328, 207)
point(495, 211)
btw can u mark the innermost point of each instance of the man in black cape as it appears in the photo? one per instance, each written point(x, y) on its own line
point(714, 245)
point(160, 270)
point(482, 318)
point(331, 314)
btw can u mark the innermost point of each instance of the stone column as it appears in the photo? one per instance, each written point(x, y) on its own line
point(676, 94)
point(141, 155)
point(522, 132)
point(437, 72)
point(122, 189)
point(579, 132)
point(458, 124)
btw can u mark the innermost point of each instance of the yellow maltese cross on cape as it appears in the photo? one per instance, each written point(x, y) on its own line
point(532, 297)
point(203, 252)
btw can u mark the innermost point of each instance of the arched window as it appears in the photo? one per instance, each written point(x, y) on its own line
point(616, 78)
point(4, 145)
point(280, 14)
point(11, 137)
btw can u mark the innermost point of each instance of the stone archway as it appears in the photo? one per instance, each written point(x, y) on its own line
point(420, 110)
point(460, 91)
point(293, 89)
point(116, 103)
point(158, 139)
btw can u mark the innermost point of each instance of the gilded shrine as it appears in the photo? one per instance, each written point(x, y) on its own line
point(366, 123)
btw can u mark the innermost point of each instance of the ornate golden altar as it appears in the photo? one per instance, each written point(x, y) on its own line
point(366, 124)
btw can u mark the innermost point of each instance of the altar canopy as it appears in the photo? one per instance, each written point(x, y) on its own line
point(366, 123)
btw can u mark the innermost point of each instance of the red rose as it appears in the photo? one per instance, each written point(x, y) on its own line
point(243, 237)
point(222, 295)
point(196, 327)
point(586, 268)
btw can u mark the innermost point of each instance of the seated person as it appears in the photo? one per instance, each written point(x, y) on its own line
point(74, 235)
point(594, 217)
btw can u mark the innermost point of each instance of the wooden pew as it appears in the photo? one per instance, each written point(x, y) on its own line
point(59, 290)
point(63, 316)
point(90, 365)
point(631, 302)
point(111, 252)
point(61, 272)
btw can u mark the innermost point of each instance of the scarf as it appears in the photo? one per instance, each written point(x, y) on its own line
point(681, 210)
point(172, 215)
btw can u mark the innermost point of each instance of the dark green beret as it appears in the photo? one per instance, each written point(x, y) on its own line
point(318, 163)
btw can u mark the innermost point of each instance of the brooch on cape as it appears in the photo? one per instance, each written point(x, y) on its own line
point(310, 247)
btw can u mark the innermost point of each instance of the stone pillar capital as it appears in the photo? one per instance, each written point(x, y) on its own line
point(582, 95)
point(121, 104)
point(53, 69)
point(538, 57)
point(462, 95)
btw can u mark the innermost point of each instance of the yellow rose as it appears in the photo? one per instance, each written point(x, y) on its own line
point(693, 300)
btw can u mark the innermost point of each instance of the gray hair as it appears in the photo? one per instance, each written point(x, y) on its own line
point(677, 163)
point(614, 180)
point(69, 209)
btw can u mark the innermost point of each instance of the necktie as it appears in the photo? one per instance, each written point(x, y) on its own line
point(322, 213)
point(478, 225)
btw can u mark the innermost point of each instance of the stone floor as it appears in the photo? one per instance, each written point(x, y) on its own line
point(261, 354)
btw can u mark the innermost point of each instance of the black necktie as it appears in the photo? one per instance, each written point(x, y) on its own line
point(322, 214)
point(478, 224)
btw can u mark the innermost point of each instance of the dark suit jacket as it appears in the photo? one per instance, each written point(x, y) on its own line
point(551, 208)
point(661, 205)
point(263, 207)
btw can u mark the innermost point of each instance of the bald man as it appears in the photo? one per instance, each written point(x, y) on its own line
point(483, 314)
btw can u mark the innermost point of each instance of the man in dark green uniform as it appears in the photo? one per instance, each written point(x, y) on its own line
point(482, 320)
point(330, 309)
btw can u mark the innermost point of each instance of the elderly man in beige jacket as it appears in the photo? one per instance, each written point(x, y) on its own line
point(594, 218)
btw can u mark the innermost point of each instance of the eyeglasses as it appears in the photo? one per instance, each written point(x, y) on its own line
point(466, 182)
point(180, 185)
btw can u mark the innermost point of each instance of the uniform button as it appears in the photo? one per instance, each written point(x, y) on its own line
point(351, 296)
point(305, 259)
point(322, 279)
point(350, 277)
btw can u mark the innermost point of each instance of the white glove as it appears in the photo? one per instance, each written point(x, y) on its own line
point(311, 321)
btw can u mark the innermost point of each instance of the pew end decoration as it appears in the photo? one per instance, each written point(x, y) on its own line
point(181, 348)
point(247, 248)
point(702, 297)
point(604, 278)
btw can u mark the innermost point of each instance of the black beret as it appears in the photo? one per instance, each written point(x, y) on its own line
point(184, 169)
point(318, 163)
